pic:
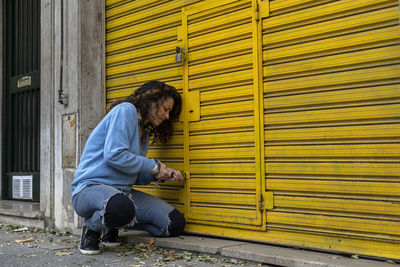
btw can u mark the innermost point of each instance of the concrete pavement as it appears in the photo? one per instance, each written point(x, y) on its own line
point(35, 247)
point(47, 248)
point(266, 254)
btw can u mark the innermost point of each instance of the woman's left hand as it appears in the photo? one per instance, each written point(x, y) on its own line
point(175, 175)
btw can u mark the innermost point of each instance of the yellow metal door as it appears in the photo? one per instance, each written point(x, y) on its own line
point(221, 114)
point(331, 97)
point(140, 42)
point(328, 75)
point(217, 143)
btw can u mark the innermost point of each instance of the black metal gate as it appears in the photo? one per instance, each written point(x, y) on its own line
point(21, 106)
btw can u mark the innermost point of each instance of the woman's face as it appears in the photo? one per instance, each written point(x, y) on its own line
point(159, 114)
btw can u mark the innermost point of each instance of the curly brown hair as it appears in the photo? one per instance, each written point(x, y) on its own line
point(143, 97)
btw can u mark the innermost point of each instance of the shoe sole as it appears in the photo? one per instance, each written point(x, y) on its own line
point(112, 245)
point(89, 252)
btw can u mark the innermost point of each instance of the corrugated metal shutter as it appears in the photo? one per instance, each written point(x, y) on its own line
point(141, 37)
point(221, 160)
point(330, 114)
point(331, 97)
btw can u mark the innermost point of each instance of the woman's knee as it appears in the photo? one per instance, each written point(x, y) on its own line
point(177, 223)
point(119, 211)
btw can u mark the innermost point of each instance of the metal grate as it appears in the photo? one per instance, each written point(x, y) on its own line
point(24, 141)
point(24, 39)
point(22, 187)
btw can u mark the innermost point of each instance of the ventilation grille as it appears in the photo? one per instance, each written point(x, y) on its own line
point(22, 187)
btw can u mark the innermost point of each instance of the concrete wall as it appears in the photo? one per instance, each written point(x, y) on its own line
point(46, 112)
point(65, 128)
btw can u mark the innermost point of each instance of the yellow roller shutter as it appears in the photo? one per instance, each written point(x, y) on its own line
point(222, 124)
point(141, 37)
point(290, 129)
point(331, 109)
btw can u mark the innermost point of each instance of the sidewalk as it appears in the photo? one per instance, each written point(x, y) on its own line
point(22, 246)
point(31, 247)
point(266, 254)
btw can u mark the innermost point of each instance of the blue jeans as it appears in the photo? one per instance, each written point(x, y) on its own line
point(152, 214)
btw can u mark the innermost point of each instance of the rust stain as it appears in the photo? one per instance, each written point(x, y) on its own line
point(72, 121)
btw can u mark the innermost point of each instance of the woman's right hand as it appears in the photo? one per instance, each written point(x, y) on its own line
point(164, 174)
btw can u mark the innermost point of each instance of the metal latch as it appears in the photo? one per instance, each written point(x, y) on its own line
point(267, 201)
point(263, 10)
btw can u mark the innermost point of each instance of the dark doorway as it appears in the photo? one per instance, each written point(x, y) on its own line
point(21, 99)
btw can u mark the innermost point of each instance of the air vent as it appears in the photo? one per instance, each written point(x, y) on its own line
point(22, 187)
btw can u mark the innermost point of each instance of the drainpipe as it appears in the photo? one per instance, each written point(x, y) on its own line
point(62, 97)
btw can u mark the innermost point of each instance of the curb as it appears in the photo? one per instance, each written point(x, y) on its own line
point(263, 253)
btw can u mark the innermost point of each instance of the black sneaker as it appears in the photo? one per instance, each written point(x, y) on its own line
point(89, 242)
point(110, 238)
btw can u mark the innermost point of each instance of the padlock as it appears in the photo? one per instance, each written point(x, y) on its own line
point(179, 56)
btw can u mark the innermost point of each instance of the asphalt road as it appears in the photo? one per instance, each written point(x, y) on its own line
point(35, 247)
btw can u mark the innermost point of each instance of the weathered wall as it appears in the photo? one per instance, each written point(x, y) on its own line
point(46, 108)
point(65, 128)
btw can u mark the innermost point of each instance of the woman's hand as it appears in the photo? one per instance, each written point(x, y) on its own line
point(168, 174)
point(175, 176)
point(164, 174)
